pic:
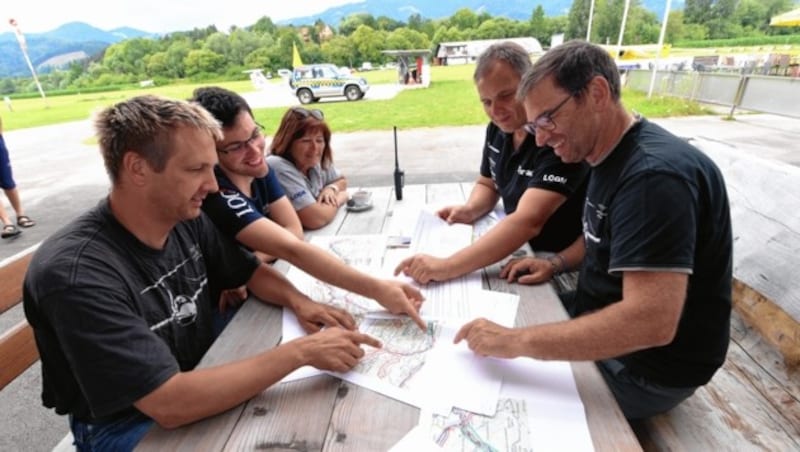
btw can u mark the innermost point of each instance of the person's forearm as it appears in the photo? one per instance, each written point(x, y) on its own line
point(317, 215)
point(190, 396)
point(272, 286)
point(340, 185)
point(613, 331)
point(502, 240)
point(646, 317)
point(570, 258)
point(481, 200)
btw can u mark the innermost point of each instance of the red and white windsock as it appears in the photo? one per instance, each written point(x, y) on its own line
point(18, 32)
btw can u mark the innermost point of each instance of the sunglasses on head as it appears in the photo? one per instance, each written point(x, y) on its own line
point(305, 113)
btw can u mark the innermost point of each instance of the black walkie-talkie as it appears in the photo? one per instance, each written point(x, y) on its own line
point(399, 175)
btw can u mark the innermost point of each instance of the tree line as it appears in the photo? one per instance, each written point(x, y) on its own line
point(207, 54)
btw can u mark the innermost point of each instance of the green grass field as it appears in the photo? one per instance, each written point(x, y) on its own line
point(451, 100)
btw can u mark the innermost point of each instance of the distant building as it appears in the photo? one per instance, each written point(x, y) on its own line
point(325, 34)
point(462, 52)
point(305, 34)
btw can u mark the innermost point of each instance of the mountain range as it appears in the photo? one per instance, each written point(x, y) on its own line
point(57, 47)
point(402, 9)
point(76, 40)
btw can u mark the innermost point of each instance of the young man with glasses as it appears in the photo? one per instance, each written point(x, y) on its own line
point(248, 188)
point(120, 300)
point(240, 216)
point(542, 196)
point(653, 300)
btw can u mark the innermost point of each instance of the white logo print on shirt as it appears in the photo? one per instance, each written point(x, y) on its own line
point(183, 307)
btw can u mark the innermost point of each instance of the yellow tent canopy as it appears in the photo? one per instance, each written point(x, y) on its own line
point(788, 19)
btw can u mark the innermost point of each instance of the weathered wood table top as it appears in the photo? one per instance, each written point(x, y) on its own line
point(326, 413)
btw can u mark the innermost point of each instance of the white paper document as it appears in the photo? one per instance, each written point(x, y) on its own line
point(538, 409)
point(363, 251)
point(421, 368)
point(474, 302)
point(435, 237)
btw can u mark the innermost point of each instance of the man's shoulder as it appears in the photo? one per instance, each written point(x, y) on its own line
point(494, 133)
point(495, 139)
point(86, 238)
point(661, 150)
point(222, 178)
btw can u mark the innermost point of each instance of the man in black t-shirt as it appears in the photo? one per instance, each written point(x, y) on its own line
point(653, 300)
point(120, 300)
point(542, 195)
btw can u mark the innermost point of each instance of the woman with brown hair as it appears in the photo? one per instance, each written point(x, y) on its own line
point(303, 161)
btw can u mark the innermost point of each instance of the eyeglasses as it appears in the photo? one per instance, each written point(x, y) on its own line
point(545, 120)
point(305, 113)
point(258, 133)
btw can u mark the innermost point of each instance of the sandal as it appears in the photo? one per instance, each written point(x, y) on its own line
point(9, 230)
point(25, 221)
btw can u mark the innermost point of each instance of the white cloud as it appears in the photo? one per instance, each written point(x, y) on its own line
point(155, 16)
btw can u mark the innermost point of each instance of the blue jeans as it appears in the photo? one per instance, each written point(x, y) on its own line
point(637, 397)
point(220, 319)
point(118, 435)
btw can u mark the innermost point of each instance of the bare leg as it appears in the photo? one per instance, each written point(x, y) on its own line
point(13, 198)
point(4, 215)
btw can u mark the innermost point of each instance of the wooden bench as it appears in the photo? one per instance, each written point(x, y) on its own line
point(17, 346)
point(752, 403)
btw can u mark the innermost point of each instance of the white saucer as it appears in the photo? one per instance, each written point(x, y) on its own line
point(359, 207)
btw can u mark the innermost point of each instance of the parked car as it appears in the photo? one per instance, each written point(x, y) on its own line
point(312, 82)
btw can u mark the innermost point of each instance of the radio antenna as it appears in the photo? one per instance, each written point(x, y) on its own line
point(399, 175)
point(396, 161)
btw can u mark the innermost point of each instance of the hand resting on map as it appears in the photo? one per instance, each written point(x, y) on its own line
point(334, 349)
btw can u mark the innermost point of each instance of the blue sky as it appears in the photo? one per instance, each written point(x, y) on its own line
point(155, 16)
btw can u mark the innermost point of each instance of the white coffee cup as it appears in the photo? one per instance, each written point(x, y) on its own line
point(361, 198)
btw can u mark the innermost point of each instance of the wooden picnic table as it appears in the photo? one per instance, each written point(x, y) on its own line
point(326, 413)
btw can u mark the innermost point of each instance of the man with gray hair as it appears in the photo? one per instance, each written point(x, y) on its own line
point(653, 300)
point(121, 299)
point(542, 196)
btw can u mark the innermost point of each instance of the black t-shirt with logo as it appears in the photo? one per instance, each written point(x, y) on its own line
point(657, 203)
point(531, 166)
point(114, 319)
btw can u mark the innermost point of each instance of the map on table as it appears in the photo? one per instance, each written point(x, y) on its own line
point(403, 368)
point(358, 306)
point(358, 251)
point(507, 430)
point(405, 349)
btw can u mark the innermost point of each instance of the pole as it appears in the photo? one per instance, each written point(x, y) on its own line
point(622, 27)
point(23, 45)
point(589, 27)
point(658, 50)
